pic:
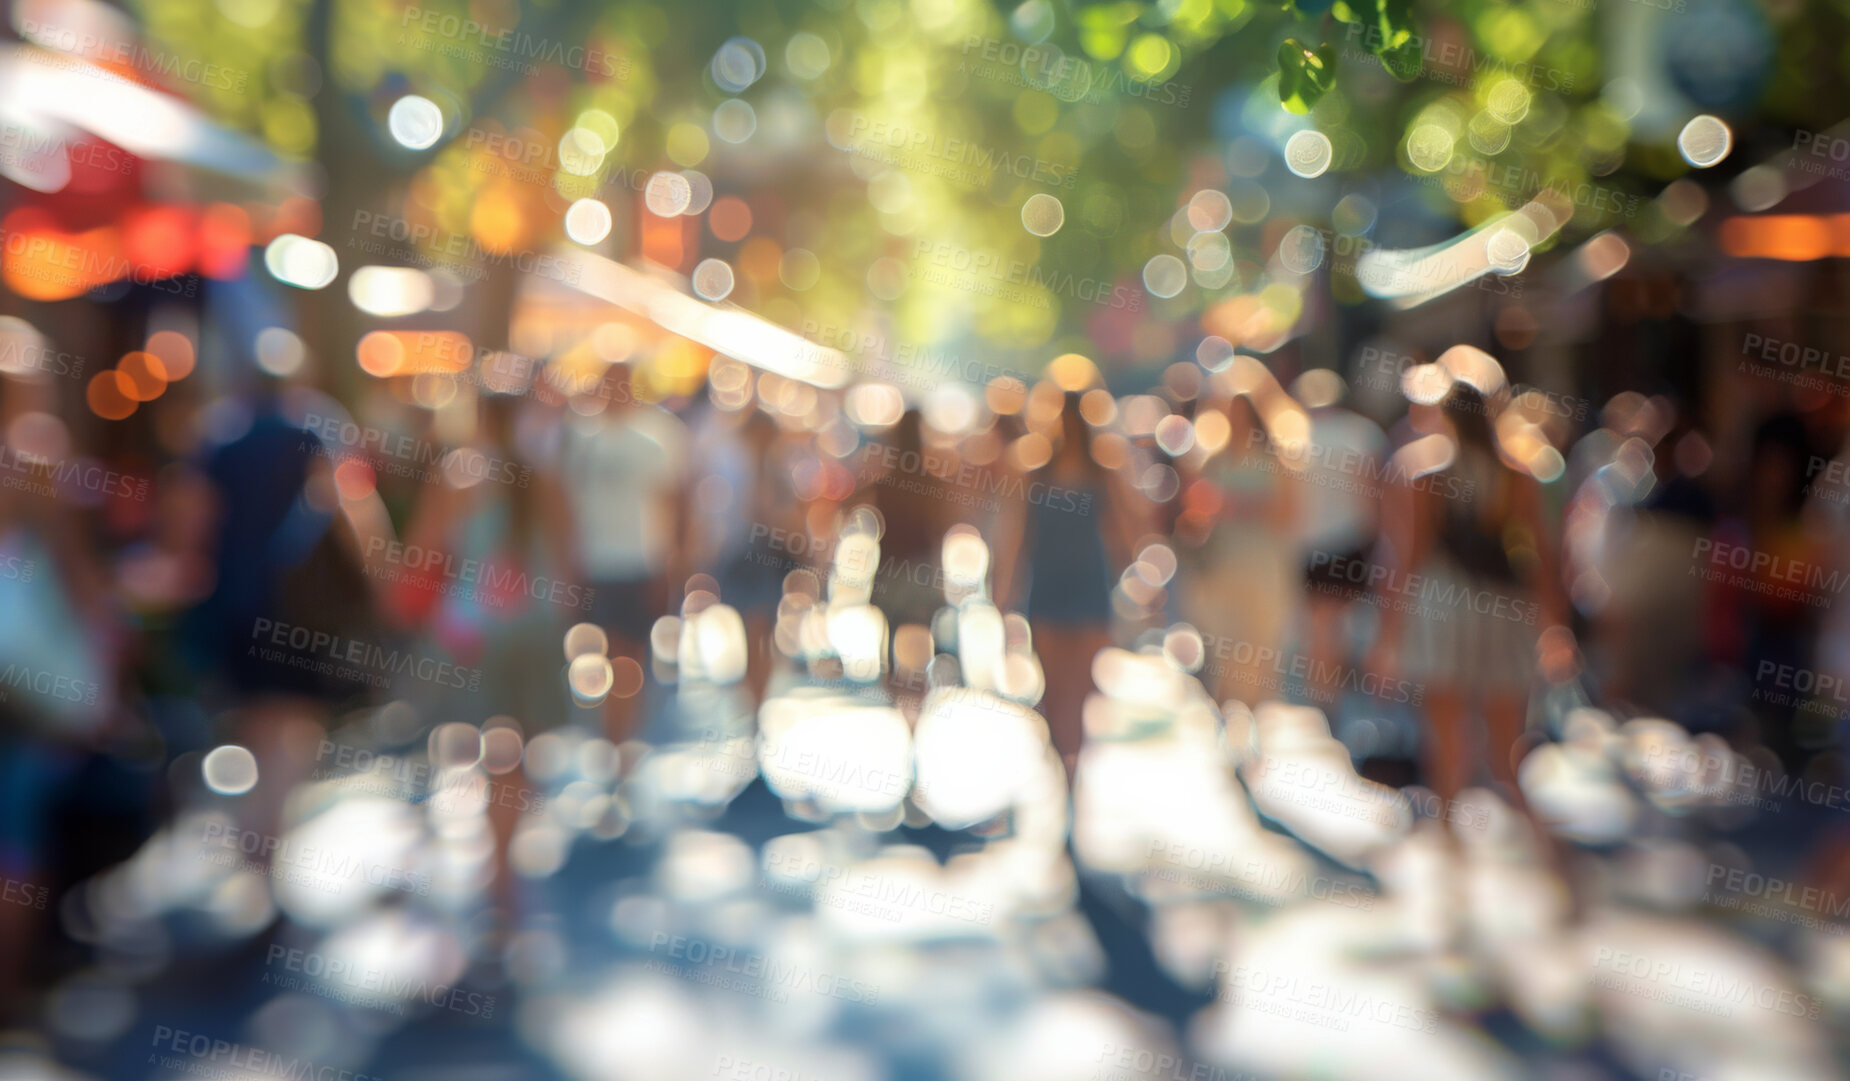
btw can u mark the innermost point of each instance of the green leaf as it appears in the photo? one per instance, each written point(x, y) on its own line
point(1402, 61)
point(1394, 20)
point(1384, 25)
point(1304, 75)
point(1109, 17)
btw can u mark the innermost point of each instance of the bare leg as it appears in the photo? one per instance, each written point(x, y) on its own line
point(620, 710)
point(1325, 647)
point(284, 735)
point(507, 792)
point(1066, 654)
point(1505, 715)
point(1448, 747)
point(758, 650)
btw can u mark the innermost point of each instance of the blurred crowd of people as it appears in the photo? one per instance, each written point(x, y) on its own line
point(250, 561)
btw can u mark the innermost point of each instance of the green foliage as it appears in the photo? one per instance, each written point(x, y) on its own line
point(1304, 74)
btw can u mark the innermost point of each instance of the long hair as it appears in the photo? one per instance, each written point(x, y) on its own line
point(1076, 438)
point(1469, 413)
point(499, 421)
point(912, 502)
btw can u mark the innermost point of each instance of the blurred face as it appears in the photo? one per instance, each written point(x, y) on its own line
point(1072, 435)
point(1241, 423)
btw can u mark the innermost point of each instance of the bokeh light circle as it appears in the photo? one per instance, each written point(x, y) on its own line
point(1042, 214)
point(1507, 251)
point(1301, 251)
point(415, 122)
point(713, 279)
point(1164, 276)
point(587, 221)
point(735, 121)
point(668, 195)
point(229, 770)
point(1308, 153)
point(738, 64)
point(1705, 141)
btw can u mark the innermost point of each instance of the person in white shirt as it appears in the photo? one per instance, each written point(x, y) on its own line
point(624, 471)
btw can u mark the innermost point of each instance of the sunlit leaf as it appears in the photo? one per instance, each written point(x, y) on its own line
point(1304, 75)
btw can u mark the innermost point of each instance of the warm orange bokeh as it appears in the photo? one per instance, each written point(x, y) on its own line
point(108, 395)
point(164, 239)
point(386, 353)
point(144, 374)
point(1791, 237)
point(175, 351)
point(730, 219)
point(224, 241)
point(42, 262)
